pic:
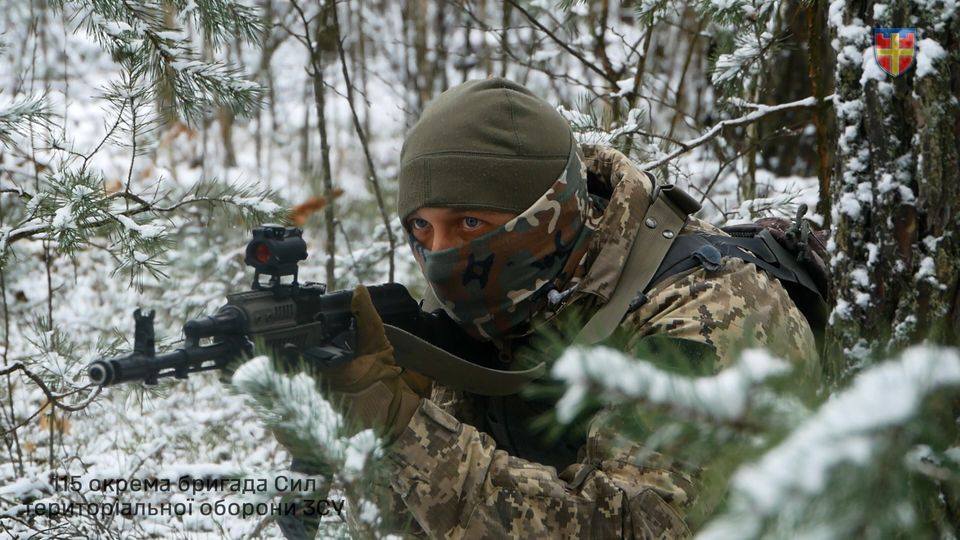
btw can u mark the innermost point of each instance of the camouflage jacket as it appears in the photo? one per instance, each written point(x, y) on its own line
point(449, 474)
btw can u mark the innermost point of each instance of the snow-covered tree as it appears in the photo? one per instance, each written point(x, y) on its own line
point(895, 194)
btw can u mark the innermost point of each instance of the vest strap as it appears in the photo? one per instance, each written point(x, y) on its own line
point(659, 227)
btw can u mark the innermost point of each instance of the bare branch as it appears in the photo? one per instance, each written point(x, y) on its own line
point(586, 62)
point(371, 168)
point(760, 112)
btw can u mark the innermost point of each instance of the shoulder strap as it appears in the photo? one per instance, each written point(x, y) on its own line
point(763, 250)
point(659, 227)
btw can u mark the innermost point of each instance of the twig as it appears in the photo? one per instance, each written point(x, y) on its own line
point(371, 168)
point(353, 259)
point(586, 62)
point(51, 397)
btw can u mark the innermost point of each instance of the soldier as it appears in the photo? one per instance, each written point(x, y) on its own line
point(513, 224)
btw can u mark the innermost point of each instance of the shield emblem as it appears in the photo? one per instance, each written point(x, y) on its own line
point(894, 49)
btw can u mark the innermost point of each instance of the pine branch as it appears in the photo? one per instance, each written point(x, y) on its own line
point(136, 35)
point(75, 205)
point(303, 420)
point(20, 115)
point(618, 379)
point(220, 19)
point(52, 398)
point(832, 474)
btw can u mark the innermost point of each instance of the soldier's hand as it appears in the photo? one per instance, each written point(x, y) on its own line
point(372, 391)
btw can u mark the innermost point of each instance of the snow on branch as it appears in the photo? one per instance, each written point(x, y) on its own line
point(302, 419)
point(16, 116)
point(138, 36)
point(760, 112)
point(846, 429)
point(622, 378)
point(81, 204)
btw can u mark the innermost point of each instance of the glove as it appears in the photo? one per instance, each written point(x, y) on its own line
point(372, 391)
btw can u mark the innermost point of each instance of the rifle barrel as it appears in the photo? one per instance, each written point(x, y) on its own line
point(177, 363)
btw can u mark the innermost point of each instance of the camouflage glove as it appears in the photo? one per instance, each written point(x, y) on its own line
point(372, 391)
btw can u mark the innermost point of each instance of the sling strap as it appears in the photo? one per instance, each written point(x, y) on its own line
point(658, 229)
point(419, 355)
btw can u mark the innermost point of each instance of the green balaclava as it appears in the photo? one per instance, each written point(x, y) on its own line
point(493, 145)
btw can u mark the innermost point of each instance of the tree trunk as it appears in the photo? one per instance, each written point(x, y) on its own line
point(323, 40)
point(817, 44)
point(895, 194)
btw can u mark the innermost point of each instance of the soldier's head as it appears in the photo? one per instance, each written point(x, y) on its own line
point(493, 197)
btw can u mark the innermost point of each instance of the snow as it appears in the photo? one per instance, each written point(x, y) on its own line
point(873, 252)
point(369, 512)
point(929, 52)
point(115, 28)
point(927, 270)
point(259, 204)
point(145, 231)
point(841, 310)
point(725, 4)
point(544, 55)
point(886, 183)
point(859, 277)
point(184, 65)
point(871, 68)
point(63, 218)
point(26, 488)
point(730, 66)
point(844, 430)
point(850, 205)
point(879, 11)
point(626, 86)
point(621, 377)
point(835, 13)
point(931, 242)
point(360, 448)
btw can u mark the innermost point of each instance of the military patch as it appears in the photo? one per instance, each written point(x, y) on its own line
point(894, 49)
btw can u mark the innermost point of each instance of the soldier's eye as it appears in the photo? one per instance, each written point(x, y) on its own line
point(471, 222)
point(419, 224)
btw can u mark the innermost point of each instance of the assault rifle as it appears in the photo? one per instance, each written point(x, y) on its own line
point(304, 322)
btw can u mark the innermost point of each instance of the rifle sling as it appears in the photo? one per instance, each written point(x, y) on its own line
point(452, 371)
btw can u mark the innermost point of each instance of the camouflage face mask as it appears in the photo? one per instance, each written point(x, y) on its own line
point(499, 280)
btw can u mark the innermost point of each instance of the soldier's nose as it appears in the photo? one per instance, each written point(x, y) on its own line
point(444, 240)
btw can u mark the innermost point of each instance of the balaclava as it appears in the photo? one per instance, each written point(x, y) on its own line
point(493, 145)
